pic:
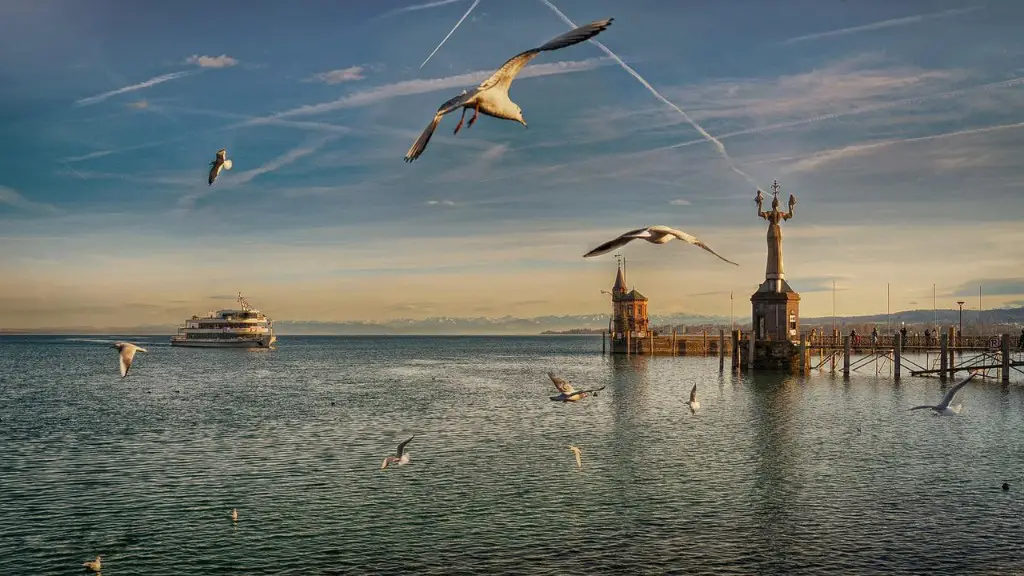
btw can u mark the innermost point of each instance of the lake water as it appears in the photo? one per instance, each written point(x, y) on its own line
point(773, 475)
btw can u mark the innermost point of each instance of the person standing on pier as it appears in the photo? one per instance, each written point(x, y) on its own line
point(903, 336)
point(874, 335)
point(927, 337)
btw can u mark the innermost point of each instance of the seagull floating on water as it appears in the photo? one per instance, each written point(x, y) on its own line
point(127, 351)
point(943, 408)
point(93, 565)
point(654, 235)
point(491, 96)
point(576, 452)
point(568, 393)
point(693, 403)
point(222, 161)
point(234, 514)
point(400, 458)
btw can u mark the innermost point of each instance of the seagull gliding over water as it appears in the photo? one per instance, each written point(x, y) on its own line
point(491, 96)
point(127, 353)
point(576, 452)
point(568, 393)
point(693, 403)
point(943, 408)
point(654, 235)
point(400, 458)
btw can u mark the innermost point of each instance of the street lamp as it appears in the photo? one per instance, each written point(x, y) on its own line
point(960, 332)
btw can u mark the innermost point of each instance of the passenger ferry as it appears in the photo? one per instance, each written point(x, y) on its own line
point(244, 328)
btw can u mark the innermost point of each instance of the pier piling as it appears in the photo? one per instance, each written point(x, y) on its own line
point(897, 351)
point(721, 349)
point(1005, 348)
point(735, 349)
point(943, 355)
point(750, 351)
point(846, 355)
point(803, 352)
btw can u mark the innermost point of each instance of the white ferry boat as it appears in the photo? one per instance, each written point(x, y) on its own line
point(244, 328)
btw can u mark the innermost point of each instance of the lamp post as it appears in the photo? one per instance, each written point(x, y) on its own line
point(960, 332)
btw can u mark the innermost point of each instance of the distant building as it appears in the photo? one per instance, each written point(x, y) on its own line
point(629, 312)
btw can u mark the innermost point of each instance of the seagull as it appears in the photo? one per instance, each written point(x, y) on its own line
point(943, 408)
point(400, 458)
point(221, 162)
point(234, 514)
point(693, 403)
point(491, 96)
point(93, 565)
point(127, 351)
point(568, 393)
point(576, 452)
point(654, 235)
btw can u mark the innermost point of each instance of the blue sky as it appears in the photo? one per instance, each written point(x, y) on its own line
point(898, 125)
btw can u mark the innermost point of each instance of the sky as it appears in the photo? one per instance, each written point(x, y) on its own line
point(899, 126)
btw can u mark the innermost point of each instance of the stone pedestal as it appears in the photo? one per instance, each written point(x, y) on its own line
point(776, 312)
point(778, 355)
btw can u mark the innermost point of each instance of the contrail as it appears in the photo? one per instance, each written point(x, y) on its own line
point(151, 82)
point(883, 24)
point(703, 132)
point(454, 28)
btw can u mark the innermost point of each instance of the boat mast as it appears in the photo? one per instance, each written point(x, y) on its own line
point(245, 304)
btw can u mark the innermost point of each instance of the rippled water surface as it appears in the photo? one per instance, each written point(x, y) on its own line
point(773, 475)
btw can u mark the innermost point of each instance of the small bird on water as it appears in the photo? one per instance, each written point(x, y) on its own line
point(127, 353)
point(93, 565)
point(234, 515)
point(654, 235)
point(576, 452)
point(693, 403)
point(400, 458)
point(491, 96)
point(222, 161)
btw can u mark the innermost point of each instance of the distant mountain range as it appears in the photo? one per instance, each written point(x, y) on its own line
point(509, 325)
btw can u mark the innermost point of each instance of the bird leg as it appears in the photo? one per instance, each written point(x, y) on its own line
point(476, 112)
point(459, 125)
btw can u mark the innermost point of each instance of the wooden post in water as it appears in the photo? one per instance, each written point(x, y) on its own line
point(1006, 358)
point(629, 342)
point(750, 351)
point(897, 351)
point(721, 349)
point(735, 349)
point(706, 351)
point(803, 352)
point(943, 355)
point(675, 349)
point(846, 355)
point(602, 343)
point(952, 351)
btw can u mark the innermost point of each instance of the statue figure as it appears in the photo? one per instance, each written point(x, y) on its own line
point(773, 270)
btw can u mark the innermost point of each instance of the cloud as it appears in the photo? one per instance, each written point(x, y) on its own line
point(138, 105)
point(338, 76)
point(679, 202)
point(495, 152)
point(440, 203)
point(222, 61)
point(881, 24)
point(411, 87)
point(12, 197)
point(991, 287)
point(416, 7)
point(140, 86)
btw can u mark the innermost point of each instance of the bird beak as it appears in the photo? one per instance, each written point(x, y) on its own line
point(523, 122)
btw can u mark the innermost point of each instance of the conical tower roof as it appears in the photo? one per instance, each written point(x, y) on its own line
point(620, 282)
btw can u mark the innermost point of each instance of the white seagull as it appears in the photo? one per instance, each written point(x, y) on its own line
point(943, 408)
point(491, 96)
point(400, 458)
point(566, 391)
point(127, 353)
point(654, 235)
point(222, 161)
point(693, 403)
point(93, 565)
point(576, 452)
point(234, 514)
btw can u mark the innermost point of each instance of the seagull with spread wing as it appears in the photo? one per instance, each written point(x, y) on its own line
point(401, 457)
point(567, 392)
point(654, 235)
point(576, 452)
point(694, 404)
point(222, 161)
point(943, 408)
point(127, 354)
point(491, 96)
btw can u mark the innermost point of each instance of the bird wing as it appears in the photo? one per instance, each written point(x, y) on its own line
point(563, 386)
point(504, 76)
point(691, 239)
point(919, 408)
point(214, 172)
point(616, 243)
point(384, 464)
point(222, 154)
point(576, 452)
point(952, 391)
point(448, 107)
point(693, 394)
point(126, 356)
point(401, 447)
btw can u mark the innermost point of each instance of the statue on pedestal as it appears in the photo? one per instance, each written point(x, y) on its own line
point(774, 270)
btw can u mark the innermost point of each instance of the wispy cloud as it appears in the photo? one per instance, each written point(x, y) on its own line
point(452, 31)
point(424, 6)
point(138, 105)
point(222, 61)
point(991, 287)
point(440, 203)
point(882, 24)
point(410, 87)
point(338, 76)
point(140, 86)
point(718, 145)
point(679, 202)
point(12, 197)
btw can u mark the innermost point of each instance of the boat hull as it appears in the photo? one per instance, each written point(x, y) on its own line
point(196, 343)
